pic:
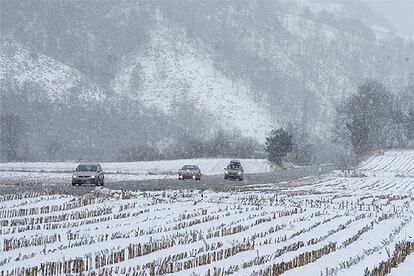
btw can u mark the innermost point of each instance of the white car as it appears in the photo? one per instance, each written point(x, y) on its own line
point(88, 173)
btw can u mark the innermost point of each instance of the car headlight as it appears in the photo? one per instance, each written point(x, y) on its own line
point(239, 173)
point(74, 176)
point(92, 176)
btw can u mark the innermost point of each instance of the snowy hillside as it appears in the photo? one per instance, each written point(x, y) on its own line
point(295, 68)
point(321, 57)
point(143, 74)
point(317, 6)
point(174, 70)
point(171, 71)
point(43, 77)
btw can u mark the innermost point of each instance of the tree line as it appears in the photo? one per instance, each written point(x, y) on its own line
point(369, 120)
point(221, 143)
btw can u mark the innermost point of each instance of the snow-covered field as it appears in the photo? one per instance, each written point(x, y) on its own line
point(123, 171)
point(330, 226)
point(391, 163)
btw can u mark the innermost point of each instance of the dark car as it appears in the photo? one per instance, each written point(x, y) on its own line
point(88, 173)
point(234, 170)
point(189, 172)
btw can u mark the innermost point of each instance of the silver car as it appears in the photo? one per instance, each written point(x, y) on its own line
point(234, 170)
point(189, 172)
point(88, 173)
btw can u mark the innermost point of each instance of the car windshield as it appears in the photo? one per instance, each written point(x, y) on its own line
point(87, 168)
point(234, 166)
point(188, 167)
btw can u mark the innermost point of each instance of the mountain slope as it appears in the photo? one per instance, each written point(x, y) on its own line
point(149, 73)
point(171, 72)
point(22, 69)
point(57, 113)
point(265, 64)
point(300, 63)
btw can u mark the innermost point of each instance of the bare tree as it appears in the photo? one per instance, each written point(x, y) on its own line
point(369, 119)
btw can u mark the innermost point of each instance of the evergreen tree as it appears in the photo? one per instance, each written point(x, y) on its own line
point(278, 145)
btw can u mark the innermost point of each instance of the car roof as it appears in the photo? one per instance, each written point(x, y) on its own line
point(235, 161)
point(89, 163)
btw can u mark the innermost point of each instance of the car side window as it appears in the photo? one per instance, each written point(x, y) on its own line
point(99, 168)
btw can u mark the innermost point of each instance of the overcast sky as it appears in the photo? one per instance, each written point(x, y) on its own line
point(399, 13)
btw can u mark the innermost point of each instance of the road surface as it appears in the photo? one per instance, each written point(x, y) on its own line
point(214, 182)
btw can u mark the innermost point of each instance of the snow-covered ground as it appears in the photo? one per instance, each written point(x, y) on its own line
point(390, 163)
point(330, 226)
point(123, 171)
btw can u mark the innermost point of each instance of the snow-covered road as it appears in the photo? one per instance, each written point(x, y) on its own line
point(60, 172)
